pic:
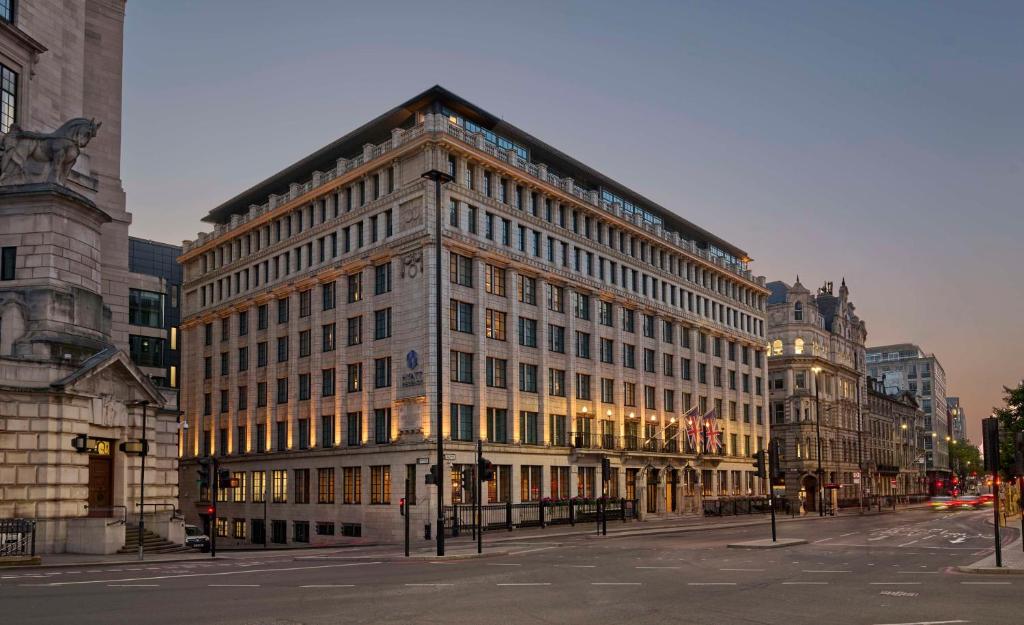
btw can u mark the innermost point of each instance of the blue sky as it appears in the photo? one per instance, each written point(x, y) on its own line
point(877, 141)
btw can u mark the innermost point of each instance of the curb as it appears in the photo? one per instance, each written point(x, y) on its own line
point(445, 558)
point(767, 544)
point(67, 565)
point(989, 570)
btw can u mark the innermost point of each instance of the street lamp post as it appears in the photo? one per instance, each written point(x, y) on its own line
point(817, 429)
point(143, 452)
point(439, 178)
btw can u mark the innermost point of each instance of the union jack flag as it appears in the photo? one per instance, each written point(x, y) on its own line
point(712, 433)
point(693, 428)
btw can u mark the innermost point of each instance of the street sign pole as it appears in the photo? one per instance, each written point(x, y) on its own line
point(990, 443)
point(480, 496)
point(408, 500)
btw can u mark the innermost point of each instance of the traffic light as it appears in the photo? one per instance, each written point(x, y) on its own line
point(210, 511)
point(467, 483)
point(606, 469)
point(1018, 455)
point(775, 470)
point(758, 464)
point(224, 479)
point(401, 506)
point(431, 476)
point(203, 472)
point(990, 442)
point(486, 470)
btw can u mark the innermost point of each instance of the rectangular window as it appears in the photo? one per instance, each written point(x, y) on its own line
point(355, 288)
point(305, 340)
point(8, 88)
point(583, 386)
point(282, 310)
point(494, 324)
point(527, 377)
point(327, 337)
point(460, 316)
point(382, 279)
point(529, 427)
point(497, 425)
point(461, 416)
point(354, 378)
point(461, 270)
point(461, 367)
point(354, 429)
point(527, 332)
point(279, 484)
point(494, 280)
point(327, 296)
point(355, 331)
point(527, 290)
point(556, 338)
point(301, 486)
point(558, 431)
point(282, 390)
point(352, 479)
point(304, 386)
point(381, 324)
point(382, 426)
point(382, 372)
point(556, 298)
point(496, 372)
point(145, 308)
point(380, 485)
point(305, 303)
point(556, 382)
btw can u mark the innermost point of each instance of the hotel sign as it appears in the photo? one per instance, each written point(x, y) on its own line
point(411, 381)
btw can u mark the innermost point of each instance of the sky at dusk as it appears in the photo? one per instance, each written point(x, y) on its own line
point(878, 141)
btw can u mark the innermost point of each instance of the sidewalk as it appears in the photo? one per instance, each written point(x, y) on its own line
point(1013, 559)
point(56, 560)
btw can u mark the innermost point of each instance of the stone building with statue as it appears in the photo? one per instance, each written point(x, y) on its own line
point(70, 396)
point(580, 321)
point(816, 376)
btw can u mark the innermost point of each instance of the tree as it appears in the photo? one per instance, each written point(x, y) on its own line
point(1011, 421)
point(964, 457)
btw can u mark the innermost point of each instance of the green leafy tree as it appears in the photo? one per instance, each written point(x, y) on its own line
point(964, 457)
point(1011, 421)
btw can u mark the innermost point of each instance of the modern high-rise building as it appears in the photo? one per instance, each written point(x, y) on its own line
point(957, 419)
point(816, 391)
point(154, 295)
point(65, 373)
point(579, 321)
point(906, 367)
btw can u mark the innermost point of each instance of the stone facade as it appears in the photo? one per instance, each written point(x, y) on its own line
point(572, 329)
point(816, 374)
point(894, 433)
point(64, 367)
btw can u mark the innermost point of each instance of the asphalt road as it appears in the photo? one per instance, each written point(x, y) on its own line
point(884, 569)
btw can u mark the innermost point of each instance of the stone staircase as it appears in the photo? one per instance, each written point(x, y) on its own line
point(151, 543)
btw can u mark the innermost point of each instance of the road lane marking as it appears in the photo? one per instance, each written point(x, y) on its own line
point(233, 585)
point(656, 567)
point(804, 583)
point(577, 566)
point(515, 553)
point(847, 534)
point(711, 584)
point(217, 574)
point(824, 571)
point(908, 544)
point(744, 570)
point(926, 623)
point(894, 583)
point(987, 583)
point(615, 583)
point(918, 572)
point(132, 585)
point(524, 584)
point(822, 540)
point(429, 584)
point(328, 586)
point(502, 564)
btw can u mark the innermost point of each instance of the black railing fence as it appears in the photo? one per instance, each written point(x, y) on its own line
point(17, 537)
point(461, 518)
point(730, 506)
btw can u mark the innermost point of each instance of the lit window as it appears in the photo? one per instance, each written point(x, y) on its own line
point(776, 347)
point(798, 346)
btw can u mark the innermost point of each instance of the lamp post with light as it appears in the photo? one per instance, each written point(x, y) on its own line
point(142, 450)
point(817, 428)
point(439, 177)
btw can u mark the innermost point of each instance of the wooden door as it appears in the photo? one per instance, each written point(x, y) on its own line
point(101, 485)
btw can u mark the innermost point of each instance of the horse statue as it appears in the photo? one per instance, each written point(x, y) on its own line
point(28, 157)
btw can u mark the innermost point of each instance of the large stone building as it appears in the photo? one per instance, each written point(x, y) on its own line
point(64, 305)
point(894, 437)
point(906, 367)
point(816, 375)
point(580, 321)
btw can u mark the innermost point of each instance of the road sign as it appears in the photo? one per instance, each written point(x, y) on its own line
point(449, 457)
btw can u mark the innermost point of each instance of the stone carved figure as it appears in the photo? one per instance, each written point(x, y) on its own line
point(412, 264)
point(32, 157)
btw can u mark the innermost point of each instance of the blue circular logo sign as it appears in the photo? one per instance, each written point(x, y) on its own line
point(412, 359)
